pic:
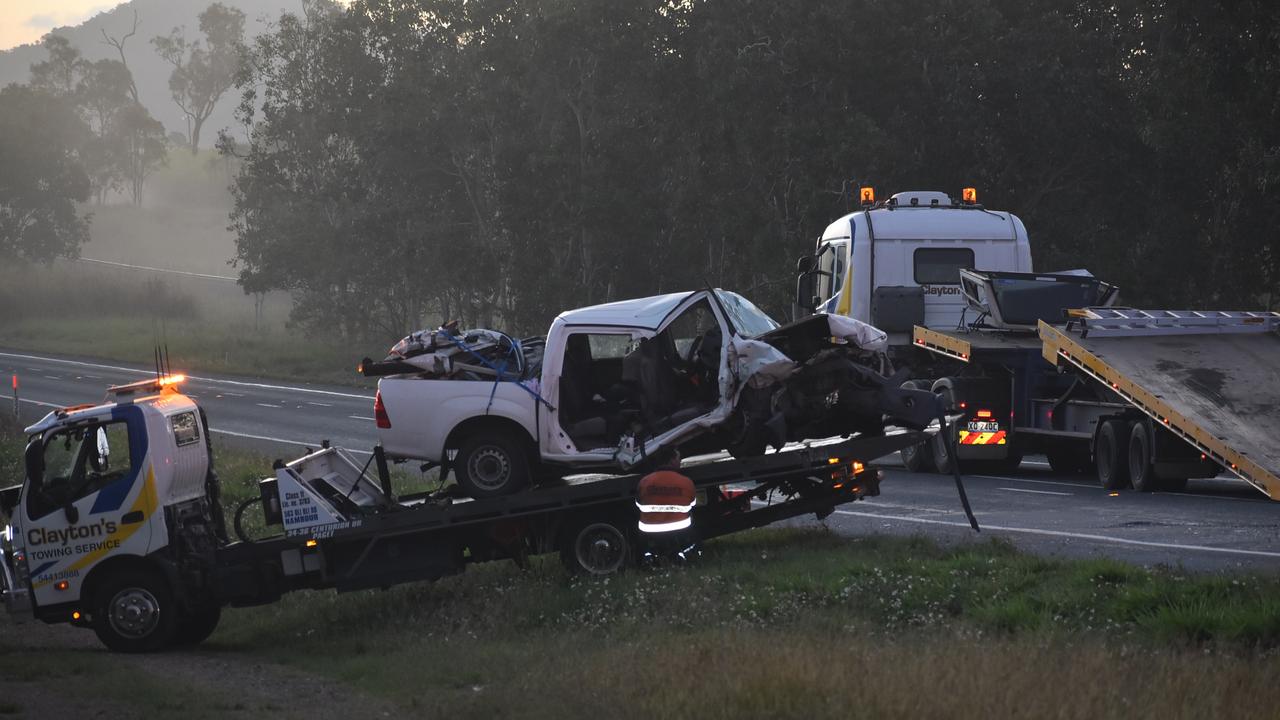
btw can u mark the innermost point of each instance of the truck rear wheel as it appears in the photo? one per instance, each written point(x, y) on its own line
point(917, 458)
point(1111, 456)
point(134, 612)
point(596, 548)
point(491, 464)
point(194, 627)
point(1142, 477)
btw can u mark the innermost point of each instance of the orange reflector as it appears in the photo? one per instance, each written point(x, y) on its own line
point(1113, 493)
point(833, 461)
point(312, 543)
point(75, 615)
point(61, 585)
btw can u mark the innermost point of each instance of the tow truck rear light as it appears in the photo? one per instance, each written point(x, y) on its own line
point(380, 412)
point(984, 413)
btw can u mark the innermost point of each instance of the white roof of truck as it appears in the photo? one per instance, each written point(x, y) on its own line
point(647, 312)
point(925, 223)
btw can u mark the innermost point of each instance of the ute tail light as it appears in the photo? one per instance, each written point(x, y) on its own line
point(380, 412)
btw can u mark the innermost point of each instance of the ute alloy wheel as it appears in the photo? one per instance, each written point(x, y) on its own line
point(599, 548)
point(134, 612)
point(490, 465)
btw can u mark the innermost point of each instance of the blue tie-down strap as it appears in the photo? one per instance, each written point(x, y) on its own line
point(499, 368)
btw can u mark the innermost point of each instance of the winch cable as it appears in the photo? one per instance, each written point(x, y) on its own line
point(948, 438)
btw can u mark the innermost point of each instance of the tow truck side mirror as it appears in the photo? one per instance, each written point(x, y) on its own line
point(104, 449)
point(33, 457)
point(806, 276)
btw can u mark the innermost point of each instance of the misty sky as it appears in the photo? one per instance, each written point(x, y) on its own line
point(26, 21)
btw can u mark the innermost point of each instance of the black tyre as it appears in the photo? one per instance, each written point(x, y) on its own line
point(134, 612)
point(194, 627)
point(1066, 460)
point(491, 465)
point(596, 548)
point(917, 458)
point(1110, 455)
point(1142, 477)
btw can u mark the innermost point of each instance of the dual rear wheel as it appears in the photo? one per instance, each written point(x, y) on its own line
point(1124, 457)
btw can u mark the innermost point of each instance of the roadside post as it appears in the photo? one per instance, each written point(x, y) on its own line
point(15, 395)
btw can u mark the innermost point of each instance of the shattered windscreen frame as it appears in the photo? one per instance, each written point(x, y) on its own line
point(747, 319)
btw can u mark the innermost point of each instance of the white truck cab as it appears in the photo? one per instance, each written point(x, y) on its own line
point(110, 491)
point(905, 255)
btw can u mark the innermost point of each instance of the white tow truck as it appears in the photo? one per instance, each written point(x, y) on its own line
point(1044, 362)
point(118, 526)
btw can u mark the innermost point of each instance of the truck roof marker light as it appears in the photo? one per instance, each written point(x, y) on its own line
point(969, 195)
point(312, 542)
point(867, 195)
point(380, 412)
point(833, 461)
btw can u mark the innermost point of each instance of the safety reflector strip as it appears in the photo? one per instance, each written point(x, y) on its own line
point(665, 508)
point(984, 438)
point(665, 527)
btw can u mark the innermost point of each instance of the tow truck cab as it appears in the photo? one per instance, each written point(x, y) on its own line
point(906, 254)
point(117, 516)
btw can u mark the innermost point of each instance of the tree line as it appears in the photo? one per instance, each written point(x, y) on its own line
point(501, 160)
point(77, 131)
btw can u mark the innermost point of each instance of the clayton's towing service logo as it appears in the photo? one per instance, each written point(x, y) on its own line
point(941, 290)
point(62, 536)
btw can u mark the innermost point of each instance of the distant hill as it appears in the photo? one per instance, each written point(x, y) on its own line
point(151, 74)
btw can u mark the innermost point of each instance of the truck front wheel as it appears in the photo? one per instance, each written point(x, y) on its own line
point(491, 464)
point(134, 612)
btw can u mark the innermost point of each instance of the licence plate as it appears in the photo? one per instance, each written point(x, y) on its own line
point(981, 426)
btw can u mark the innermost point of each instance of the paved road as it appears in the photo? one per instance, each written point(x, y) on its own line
point(1215, 525)
point(277, 417)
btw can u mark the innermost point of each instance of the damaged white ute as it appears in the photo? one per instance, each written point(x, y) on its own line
point(612, 384)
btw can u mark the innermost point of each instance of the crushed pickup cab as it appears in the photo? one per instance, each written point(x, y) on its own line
point(612, 384)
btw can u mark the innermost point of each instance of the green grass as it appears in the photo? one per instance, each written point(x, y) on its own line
point(774, 622)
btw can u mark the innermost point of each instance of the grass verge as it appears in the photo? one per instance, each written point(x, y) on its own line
point(784, 622)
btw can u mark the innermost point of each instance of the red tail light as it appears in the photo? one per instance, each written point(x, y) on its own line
point(380, 412)
point(984, 413)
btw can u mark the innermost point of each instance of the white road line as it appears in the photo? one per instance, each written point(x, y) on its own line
point(1037, 492)
point(231, 394)
point(268, 405)
point(1078, 486)
point(41, 403)
point(263, 386)
point(52, 377)
point(280, 440)
point(1061, 533)
point(320, 404)
point(91, 377)
point(360, 417)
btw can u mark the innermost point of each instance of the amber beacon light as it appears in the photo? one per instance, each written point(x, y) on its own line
point(969, 195)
